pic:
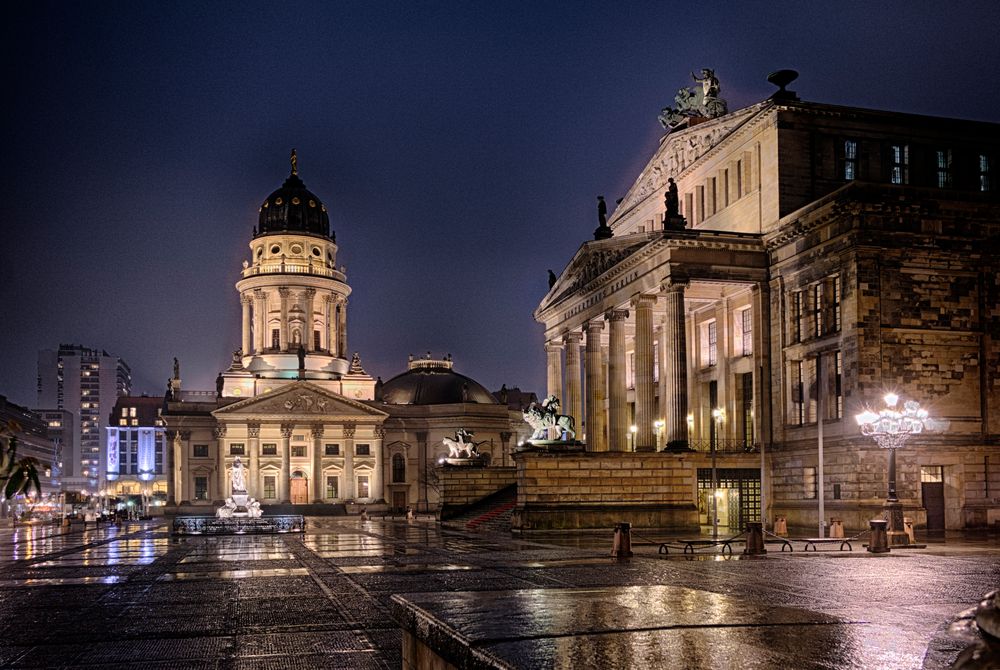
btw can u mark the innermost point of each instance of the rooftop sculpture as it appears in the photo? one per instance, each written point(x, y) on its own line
point(695, 101)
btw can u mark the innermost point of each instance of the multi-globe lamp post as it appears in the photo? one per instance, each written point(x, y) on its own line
point(891, 428)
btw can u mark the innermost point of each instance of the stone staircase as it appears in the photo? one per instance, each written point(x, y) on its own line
point(492, 514)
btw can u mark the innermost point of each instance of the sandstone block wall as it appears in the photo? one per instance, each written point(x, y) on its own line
point(464, 485)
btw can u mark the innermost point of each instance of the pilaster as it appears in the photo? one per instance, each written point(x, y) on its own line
point(286, 457)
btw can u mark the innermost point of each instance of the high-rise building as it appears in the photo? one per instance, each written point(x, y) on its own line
point(86, 382)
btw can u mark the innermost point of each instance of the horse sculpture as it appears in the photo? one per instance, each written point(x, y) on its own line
point(462, 445)
point(545, 419)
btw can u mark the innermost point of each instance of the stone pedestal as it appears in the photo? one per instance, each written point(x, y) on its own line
point(878, 544)
point(895, 532)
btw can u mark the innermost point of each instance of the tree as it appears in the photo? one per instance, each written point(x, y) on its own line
point(17, 475)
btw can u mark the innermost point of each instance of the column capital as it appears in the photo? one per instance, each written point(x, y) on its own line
point(253, 428)
point(258, 294)
point(309, 292)
point(573, 337)
point(171, 435)
point(286, 429)
point(246, 298)
point(283, 291)
point(380, 432)
point(616, 315)
point(596, 325)
point(185, 434)
point(553, 346)
point(349, 429)
point(219, 430)
point(643, 300)
point(316, 430)
point(674, 284)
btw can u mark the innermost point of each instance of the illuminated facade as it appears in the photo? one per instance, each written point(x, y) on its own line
point(821, 254)
point(134, 449)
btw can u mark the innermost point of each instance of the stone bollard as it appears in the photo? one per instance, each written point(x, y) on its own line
point(879, 543)
point(908, 528)
point(622, 545)
point(780, 526)
point(836, 527)
point(755, 539)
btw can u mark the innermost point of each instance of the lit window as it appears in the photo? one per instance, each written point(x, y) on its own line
point(838, 393)
point(269, 486)
point(332, 449)
point(298, 451)
point(985, 184)
point(363, 486)
point(237, 449)
point(818, 309)
point(124, 409)
point(944, 168)
point(362, 450)
point(269, 449)
point(201, 488)
point(713, 344)
point(850, 160)
point(122, 422)
point(899, 155)
point(135, 422)
point(746, 327)
point(131, 411)
point(332, 487)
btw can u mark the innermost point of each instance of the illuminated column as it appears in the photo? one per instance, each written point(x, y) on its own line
point(168, 465)
point(596, 440)
point(184, 449)
point(220, 464)
point(673, 377)
point(286, 457)
point(617, 394)
point(553, 369)
point(331, 324)
point(317, 436)
point(307, 329)
point(283, 326)
point(573, 404)
point(645, 407)
point(253, 446)
point(342, 330)
point(259, 320)
point(378, 477)
point(349, 429)
point(245, 301)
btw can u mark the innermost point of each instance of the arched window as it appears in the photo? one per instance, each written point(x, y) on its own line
point(398, 469)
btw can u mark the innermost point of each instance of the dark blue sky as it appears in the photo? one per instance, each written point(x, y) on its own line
point(458, 146)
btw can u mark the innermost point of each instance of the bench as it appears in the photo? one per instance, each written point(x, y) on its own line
point(689, 545)
point(813, 541)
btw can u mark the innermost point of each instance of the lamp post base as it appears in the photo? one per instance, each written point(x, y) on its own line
point(897, 536)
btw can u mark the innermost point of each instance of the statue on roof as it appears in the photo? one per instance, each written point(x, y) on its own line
point(703, 101)
point(295, 162)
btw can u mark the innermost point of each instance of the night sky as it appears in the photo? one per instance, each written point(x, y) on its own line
point(459, 148)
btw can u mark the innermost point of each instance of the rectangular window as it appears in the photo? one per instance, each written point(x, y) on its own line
point(363, 486)
point(713, 191)
point(362, 450)
point(835, 303)
point(932, 474)
point(713, 422)
point(838, 392)
point(985, 183)
point(237, 449)
point(201, 451)
point(725, 187)
point(275, 338)
point(269, 487)
point(269, 449)
point(316, 340)
point(943, 168)
point(331, 487)
point(746, 325)
point(809, 490)
point(747, 379)
point(899, 160)
point(298, 451)
point(739, 179)
point(201, 488)
point(817, 310)
point(713, 344)
point(131, 411)
point(796, 317)
point(135, 422)
point(798, 394)
point(124, 409)
point(331, 449)
point(850, 160)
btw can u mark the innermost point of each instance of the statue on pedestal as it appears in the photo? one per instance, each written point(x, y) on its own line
point(462, 446)
point(547, 422)
point(239, 477)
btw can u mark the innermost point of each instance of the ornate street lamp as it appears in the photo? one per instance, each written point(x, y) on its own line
point(891, 428)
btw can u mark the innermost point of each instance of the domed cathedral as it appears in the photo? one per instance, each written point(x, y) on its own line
point(312, 428)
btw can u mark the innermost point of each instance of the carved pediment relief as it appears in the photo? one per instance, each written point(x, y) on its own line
point(297, 399)
point(594, 260)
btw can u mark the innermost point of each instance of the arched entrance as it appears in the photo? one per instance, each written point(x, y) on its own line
point(299, 488)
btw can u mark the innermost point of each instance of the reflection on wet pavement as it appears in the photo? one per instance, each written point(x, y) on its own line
point(109, 596)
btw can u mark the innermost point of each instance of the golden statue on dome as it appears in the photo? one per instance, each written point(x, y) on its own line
point(295, 162)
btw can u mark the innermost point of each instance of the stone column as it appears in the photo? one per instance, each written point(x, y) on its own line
point(504, 446)
point(283, 326)
point(342, 330)
point(307, 329)
point(245, 301)
point(421, 470)
point(183, 467)
point(349, 485)
point(330, 335)
point(553, 360)
point(645, 405)
point(379, 476)
point(253, 448)
point(286, 463)
point(574, 399)
point(168, 466)
point(220, 464)
point(617, 393)
point(259, 320)
point(596, 439)
point(673, 380)
point(317, 465)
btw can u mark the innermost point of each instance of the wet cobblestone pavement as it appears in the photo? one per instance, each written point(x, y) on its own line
point(130, 598)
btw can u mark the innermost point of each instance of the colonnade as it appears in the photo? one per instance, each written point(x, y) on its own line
point(258, 303)
point(606, 381)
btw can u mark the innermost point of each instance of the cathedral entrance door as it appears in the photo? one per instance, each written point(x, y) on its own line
point(299, 490)
point(398, 501)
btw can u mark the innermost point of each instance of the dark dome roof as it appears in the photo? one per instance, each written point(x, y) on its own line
point(434, 385)
point(293, 208)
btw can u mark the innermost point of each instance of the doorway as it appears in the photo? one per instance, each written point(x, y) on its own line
point(737, 496)
point(299, 493)
point(399, 501)
point(932, 492)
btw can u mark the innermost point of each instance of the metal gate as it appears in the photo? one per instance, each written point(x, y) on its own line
point(738, 492)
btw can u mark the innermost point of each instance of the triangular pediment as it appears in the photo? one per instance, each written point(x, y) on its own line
point(597, 260)
point(299, 399)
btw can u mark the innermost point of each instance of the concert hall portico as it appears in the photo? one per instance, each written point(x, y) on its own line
point(641, 322)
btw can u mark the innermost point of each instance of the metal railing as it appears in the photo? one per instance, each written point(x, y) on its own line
point(725, 446)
